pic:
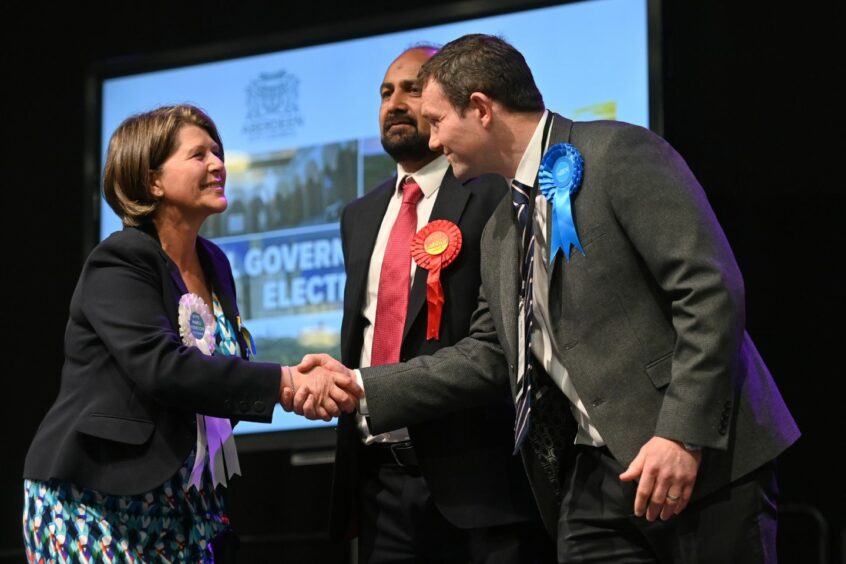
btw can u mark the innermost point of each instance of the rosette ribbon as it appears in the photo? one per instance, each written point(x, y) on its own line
point(559, 178)
point(248, 338)
point(434, 247)
point(214, 434)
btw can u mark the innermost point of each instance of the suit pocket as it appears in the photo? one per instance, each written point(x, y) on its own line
point(129, 430)
point(590, 234)
point(660, 370)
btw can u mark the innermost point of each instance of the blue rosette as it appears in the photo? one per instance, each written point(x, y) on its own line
point(559, 178)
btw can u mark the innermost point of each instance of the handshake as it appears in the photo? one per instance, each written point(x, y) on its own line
point(319, 387)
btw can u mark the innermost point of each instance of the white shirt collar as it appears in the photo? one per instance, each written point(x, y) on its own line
point(527, 170)
point(428, 177)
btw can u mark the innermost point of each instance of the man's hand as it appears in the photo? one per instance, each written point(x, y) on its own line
point(310, 361)
point(666, 473)
point(321, 388)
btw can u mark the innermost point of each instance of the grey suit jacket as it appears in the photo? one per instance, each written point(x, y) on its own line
point(649, 323)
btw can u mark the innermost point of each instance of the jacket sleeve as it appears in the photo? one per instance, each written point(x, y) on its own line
point(473, 372)
point(123, 295)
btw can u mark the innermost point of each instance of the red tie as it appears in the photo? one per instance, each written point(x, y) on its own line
point(395, 279)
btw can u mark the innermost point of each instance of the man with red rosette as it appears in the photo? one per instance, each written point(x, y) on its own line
point(447, 490)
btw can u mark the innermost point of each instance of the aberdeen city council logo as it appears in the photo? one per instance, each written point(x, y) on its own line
point(273, 105)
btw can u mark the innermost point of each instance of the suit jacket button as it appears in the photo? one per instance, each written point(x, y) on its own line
point(244, 406)
point(597, 402)
point(258, 406)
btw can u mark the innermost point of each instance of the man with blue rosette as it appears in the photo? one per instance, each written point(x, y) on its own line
point(612, 306)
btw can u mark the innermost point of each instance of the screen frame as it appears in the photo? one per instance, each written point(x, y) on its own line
point(99, 71)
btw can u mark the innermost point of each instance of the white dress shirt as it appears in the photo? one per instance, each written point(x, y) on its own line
point(429, 179)
point(542, 346)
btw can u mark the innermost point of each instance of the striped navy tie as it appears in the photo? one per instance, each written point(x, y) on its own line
point(520, 199)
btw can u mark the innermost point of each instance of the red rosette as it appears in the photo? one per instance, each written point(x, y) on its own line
point(434, 248)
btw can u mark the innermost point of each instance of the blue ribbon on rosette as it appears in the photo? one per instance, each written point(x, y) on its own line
point(559, 178)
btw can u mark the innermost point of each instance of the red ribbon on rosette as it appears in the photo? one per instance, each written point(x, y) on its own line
point(434, 248)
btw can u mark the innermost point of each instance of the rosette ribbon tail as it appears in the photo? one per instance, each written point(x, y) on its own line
point(248, 339)
point(222, 452)
point(200, 457)
point(563, 229)
point(435, 300)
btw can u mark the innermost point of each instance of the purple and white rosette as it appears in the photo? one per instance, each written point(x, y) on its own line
point(214, 434)
point(196, 324)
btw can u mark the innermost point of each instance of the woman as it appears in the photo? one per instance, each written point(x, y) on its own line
point(126, 463)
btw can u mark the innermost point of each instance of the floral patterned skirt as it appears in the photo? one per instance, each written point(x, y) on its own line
point(172, 523)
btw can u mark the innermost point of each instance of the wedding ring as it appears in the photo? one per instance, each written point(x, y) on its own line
point(672, 497)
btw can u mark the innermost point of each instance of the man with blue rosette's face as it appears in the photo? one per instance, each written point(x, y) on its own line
point(612, 307)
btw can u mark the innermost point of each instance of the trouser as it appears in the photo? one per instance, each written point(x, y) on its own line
point(399, 522)
point(736, 523)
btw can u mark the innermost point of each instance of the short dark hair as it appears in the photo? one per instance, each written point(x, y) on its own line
point(138, 147)
point(486, 64)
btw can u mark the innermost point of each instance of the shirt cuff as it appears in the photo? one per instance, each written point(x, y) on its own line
point(362, 403)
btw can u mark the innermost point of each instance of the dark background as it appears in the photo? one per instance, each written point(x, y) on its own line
point(749, 102)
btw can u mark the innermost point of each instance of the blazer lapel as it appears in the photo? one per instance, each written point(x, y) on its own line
point(359, 247)
point(217, 274)
point(363, 239)
point(507, 244)
point(449, 205)
point(172, 269)
point(150, 231)
point(559, 133)
point(175, 275)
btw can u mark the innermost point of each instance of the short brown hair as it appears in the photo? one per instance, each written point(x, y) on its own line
point(486, 64)
point(138, 147)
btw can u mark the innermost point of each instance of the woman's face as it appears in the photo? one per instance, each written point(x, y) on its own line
point(190, 183)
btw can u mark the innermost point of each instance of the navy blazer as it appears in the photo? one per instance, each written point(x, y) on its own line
point(466, 458)
point(125, 417)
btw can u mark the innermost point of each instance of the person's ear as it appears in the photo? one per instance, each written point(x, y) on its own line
point(156, 189)
point(482, 107)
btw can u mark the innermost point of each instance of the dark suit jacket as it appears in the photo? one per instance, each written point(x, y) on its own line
point(649, 324)
point(465, 457)
point(124, 420)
